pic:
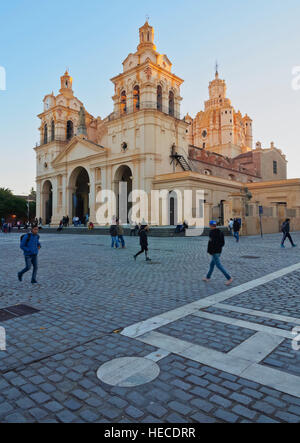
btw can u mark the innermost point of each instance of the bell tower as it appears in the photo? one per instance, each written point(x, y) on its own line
point(66, 85)
point(146, 37)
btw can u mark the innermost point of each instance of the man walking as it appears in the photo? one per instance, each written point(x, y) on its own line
point(236, 229)
point(215, 246)
point(286, 228)
point(120, 232)
point(143, 242)
point(114, 236)
point(30, 245)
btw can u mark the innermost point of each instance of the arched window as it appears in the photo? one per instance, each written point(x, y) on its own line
point(136, 98)
point(159, 98)
point(52, 131)
point(123, 103)
point(171, 103)
point(70, 130)
point(45, 134)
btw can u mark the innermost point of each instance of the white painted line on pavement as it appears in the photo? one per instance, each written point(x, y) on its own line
point(257, 347)
point(233, 364)
point(283, 318)
point(163, 319)
point(245, 324)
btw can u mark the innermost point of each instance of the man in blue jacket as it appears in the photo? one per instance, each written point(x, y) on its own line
point(30, 245)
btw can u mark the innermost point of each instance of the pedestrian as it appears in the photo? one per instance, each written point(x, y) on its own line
point(143, 242)
point(285, 229)
point(30, 245)
point(215, 247)
point(114, 236)
point(120, 232)
point(236, 229)
point(61, 225)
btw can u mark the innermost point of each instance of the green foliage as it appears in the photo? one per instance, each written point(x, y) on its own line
point(12, 205)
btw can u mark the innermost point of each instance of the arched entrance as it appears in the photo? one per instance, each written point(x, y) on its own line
point(47, 209)
point(123, 188)
point(79, 187)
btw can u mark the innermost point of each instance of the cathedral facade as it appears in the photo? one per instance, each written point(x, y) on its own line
point(146, 143)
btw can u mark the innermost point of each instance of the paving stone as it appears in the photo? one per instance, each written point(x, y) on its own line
point(226, 416)
point(244, 412)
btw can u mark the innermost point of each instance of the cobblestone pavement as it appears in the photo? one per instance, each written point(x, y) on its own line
point(87, 290)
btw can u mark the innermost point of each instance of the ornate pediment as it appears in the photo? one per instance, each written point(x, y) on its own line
point(79, 149)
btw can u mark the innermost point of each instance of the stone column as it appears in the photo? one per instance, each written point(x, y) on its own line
point(55, 210)
point(38, 199)
point(238, 209)
point(92, 196)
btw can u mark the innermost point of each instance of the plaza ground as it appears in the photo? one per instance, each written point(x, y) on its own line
point(224, 355)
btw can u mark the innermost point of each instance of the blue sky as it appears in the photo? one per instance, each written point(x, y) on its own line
point(257, 43)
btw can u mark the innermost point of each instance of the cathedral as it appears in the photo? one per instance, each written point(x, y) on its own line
point(148, 144)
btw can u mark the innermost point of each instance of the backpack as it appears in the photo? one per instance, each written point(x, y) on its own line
point(27, 241)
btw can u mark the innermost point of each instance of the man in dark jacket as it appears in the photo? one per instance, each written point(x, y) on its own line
point(215, 246)
point(286, 228)
point(30, 245)
point(143, 242)
point(114, 236)
point(236, 229)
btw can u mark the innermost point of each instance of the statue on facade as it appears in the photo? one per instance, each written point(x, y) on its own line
point(82, 126)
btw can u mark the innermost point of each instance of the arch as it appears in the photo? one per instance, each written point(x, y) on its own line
point(123, 102)
point(171, 103)
point(136, 98)
point(70, 129)
point(47, 202)
point(159, 97)
point(52, 131)
point(45, 134)
point(123, 175)
point(175, 207)
point(79, 190)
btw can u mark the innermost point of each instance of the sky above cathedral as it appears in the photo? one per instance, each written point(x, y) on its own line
point(257, 45)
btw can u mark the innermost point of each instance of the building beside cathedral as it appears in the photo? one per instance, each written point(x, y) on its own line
point(146, 143)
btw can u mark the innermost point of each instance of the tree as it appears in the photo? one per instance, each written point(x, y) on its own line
point(11, 205)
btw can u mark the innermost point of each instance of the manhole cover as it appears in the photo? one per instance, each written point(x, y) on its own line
point(16, 311)
point(250, 257)
point(128, 372)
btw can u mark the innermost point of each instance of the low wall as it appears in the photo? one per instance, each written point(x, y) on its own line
point(270, 225)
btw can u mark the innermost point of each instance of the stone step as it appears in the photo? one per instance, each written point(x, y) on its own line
point(168, 231)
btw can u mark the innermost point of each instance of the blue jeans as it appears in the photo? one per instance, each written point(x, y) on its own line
point(216, 262)
point(121, 239)
point(114, 241)
point(31, 260)
point(237, 236)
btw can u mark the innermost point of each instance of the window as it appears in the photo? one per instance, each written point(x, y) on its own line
point(204, 145)
point(45, 134)
point(171, 104)
point(70, 130)
point(275, 167)
point(136, 98)
point(52, 131)
point(123, 103)
point(159, 98)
